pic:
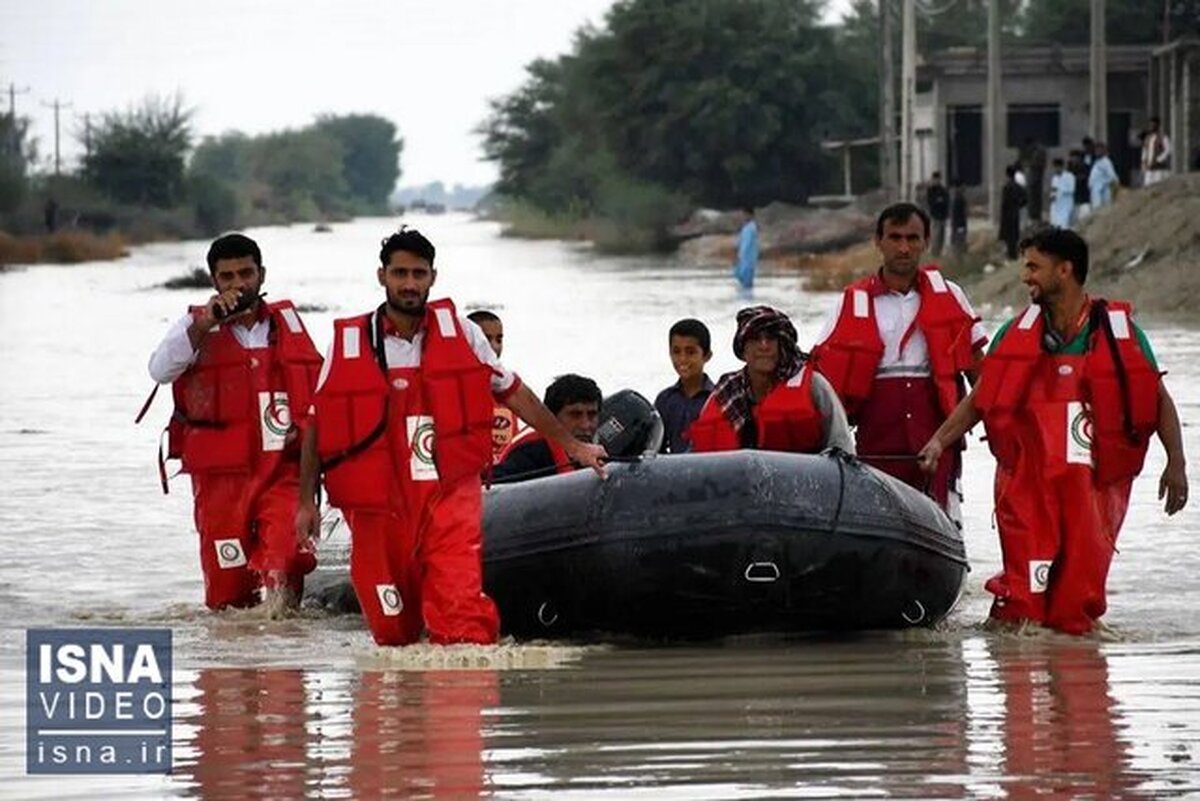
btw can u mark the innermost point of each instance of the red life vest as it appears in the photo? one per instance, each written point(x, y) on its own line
point(849, 357)
point(562, 462)
point(785, 420)
point(235, 406)
point(1073, 405)
point(504, 429)
point(446, 406)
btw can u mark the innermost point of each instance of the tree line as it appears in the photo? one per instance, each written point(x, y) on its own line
point(672, 103)
point(145, 173)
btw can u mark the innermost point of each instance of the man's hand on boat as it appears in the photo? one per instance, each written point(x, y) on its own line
point(587, 454)
point(930, 455)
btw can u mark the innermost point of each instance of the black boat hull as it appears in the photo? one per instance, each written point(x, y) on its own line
point(708, 545)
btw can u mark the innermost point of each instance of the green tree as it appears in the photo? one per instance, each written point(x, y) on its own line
point(1126, 21)
point(722, 100)
point(370, 154)
point(138, 156)
point(303, 170)
point(17, 153)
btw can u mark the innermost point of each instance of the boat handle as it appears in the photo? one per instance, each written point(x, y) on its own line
point(755, 572)
point(913, 620)
point(546, 614)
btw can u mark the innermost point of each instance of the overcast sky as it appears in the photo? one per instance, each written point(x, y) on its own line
point(261, 65)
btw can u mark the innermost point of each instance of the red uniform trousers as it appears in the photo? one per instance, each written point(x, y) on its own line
point(897, 420)
point(1057, 538)
point(431, 573)
point(240, 545)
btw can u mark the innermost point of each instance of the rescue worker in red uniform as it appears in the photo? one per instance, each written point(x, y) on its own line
point(896, 350)
point(1069, 395)
point(575, 401)
point(504, 421)
point(776, 402)
point(401, 428)
point(236, 383)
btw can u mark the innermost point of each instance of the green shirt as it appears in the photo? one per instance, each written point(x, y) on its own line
point(1079, 345)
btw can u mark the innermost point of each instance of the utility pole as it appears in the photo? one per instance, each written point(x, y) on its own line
point(87, 133)
point(887, 102)
point(993, 135)
point(908, 88)
point(13, 91)
point(1099, 69)
point(57, 106)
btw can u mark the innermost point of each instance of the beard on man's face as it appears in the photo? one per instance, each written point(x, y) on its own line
point(408, 303)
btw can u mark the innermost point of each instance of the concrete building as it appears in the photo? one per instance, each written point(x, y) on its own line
point(1045, 92)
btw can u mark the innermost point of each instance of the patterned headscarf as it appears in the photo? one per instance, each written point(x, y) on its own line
point(732, 392)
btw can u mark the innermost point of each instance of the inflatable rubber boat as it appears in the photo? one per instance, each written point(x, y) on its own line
point(709, 545)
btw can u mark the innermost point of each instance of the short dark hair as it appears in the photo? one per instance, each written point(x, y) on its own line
point(232, 246)
point(480, 316)
point(901, 213)
point(1064, 245)
point(936, 174)
point(695, 329)
point(1057, 163)
point(409, 240)
point(571, 388)
point(748, 209)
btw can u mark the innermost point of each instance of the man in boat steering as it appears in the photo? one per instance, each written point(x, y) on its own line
point(897, 349)
point(401, 428)
point(777, 401)
point(1069, 394)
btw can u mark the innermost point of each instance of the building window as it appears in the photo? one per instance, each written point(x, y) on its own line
point(1036, 121)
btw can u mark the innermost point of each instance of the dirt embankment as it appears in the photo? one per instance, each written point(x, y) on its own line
point(787, 235)
point(1145, 248)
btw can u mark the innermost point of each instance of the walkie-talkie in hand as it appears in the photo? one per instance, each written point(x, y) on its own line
point(245, 301)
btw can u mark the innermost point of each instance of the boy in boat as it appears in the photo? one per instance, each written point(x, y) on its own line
point(690, 347)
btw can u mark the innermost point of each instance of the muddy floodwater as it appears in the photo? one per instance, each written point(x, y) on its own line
point(309, 707)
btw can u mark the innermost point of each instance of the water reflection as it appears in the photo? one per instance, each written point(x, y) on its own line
point(996, 717)
point(1062, 729)
point(420, 734)
point(291, 734)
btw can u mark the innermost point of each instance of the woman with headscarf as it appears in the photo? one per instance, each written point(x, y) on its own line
point(776, 402)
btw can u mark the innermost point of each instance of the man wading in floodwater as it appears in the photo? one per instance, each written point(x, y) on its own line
point(1069, 394)
point(402, 428)
point(236, 382)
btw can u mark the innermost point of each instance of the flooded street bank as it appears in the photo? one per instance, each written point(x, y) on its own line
point(309, 707)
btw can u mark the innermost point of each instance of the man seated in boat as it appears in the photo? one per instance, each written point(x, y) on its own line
point(776, 402)
point(575, 401)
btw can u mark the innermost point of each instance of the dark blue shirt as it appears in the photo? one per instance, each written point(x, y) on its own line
point(678, 411)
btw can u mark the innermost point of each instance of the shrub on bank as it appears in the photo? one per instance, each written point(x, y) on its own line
point(61, 247)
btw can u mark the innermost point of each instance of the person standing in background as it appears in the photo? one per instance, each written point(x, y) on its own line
point(1062, 196)
point(937, 203)
point(1156, 154)
point(1102, 178)
point(747, 249)
point(959, 211)
point(1012, 200)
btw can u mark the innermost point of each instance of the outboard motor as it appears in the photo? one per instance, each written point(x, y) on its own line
point(629, 425)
